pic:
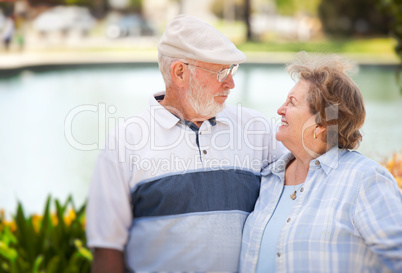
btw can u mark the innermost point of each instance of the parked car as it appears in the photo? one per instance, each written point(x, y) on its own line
point(65, 20)
point(128, 25)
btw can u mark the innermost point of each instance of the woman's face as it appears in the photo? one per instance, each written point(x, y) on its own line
point(297, 123)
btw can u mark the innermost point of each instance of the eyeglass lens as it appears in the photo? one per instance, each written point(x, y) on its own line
point(222, 75)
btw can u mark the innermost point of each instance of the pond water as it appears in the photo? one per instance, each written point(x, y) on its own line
point(37, 106)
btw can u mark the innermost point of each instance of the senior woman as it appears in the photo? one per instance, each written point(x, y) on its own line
point(322, 207)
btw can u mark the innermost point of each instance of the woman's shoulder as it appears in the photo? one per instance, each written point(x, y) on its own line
point(366, 168)
point(356, 160)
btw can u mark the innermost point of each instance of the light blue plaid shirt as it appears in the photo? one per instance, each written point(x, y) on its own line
point(347, 219)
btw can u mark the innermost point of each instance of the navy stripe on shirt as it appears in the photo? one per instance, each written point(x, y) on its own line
point(197, 192)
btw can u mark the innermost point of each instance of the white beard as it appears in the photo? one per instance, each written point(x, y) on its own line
point(202, 104)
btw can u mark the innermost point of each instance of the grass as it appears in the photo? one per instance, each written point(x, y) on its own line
point(271, 42)
point(367, 46)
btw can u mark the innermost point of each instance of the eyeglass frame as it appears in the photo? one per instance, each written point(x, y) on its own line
point(218, 73)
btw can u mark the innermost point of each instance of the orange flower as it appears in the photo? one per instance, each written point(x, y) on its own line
point(394, 166)
point(11, 225)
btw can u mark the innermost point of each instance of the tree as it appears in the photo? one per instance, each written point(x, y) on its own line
point(345, 18)
point(247, 12)
point(393, 9)
point(241, 12)
point(7, 8)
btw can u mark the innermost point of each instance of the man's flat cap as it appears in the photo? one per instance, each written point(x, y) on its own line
point(187, 37)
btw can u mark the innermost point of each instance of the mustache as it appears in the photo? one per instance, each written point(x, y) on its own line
point(224, 93)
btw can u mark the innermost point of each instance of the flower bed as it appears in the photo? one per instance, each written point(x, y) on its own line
point(53, 242)
point(394, 166)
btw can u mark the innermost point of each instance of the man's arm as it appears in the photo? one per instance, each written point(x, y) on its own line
point(107, 260)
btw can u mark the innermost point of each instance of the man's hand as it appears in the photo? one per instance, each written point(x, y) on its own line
point(107, 260)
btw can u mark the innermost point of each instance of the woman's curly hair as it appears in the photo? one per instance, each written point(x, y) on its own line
point(333, 97)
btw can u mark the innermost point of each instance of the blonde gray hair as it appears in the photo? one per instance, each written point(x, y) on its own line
point(165, 64)
point(333, 96)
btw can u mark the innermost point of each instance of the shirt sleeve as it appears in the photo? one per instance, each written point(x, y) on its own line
point(109, 215)
point(378, 216)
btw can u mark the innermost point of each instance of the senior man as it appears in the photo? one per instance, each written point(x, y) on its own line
point(173, 192)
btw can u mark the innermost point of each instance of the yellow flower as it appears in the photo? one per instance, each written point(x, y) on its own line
point(70, 217)
point(391, 164)
point(54, 219)
point(11, 225)
point(1, 219)
point(394, 166)
point(36, 222)
point(399, 181)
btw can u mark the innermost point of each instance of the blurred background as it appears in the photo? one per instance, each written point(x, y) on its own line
point(69, 69)
point(359, 27)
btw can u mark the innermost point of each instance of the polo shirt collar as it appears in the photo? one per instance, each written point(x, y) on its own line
point(167, 120)
point(159, 113)
point(222, 117)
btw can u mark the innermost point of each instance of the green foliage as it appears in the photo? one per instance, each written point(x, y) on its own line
point(345, 18)
point(291, 7)
point(87, 3)
point(7, 8)
point(50, 3)
point(136, 5)
point(50, 243)
point(393, 9)
point(368, 46)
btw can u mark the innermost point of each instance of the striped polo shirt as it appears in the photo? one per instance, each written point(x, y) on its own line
point(174, 197)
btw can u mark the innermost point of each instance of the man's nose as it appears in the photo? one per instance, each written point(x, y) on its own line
point(228, 83)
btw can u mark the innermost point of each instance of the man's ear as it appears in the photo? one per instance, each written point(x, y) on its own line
point(179, 72)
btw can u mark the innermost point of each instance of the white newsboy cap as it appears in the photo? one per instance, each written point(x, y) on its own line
point(187, 37)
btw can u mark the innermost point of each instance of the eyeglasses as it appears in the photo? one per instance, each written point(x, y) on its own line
point(223, 74)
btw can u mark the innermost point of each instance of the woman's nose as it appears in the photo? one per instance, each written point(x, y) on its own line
point(281, 110)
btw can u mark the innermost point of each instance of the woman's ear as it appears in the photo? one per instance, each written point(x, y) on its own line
point(178, 72)
point(319, 130)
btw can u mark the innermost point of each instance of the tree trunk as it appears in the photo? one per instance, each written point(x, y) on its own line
point(247, 11)
point(99, 8)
